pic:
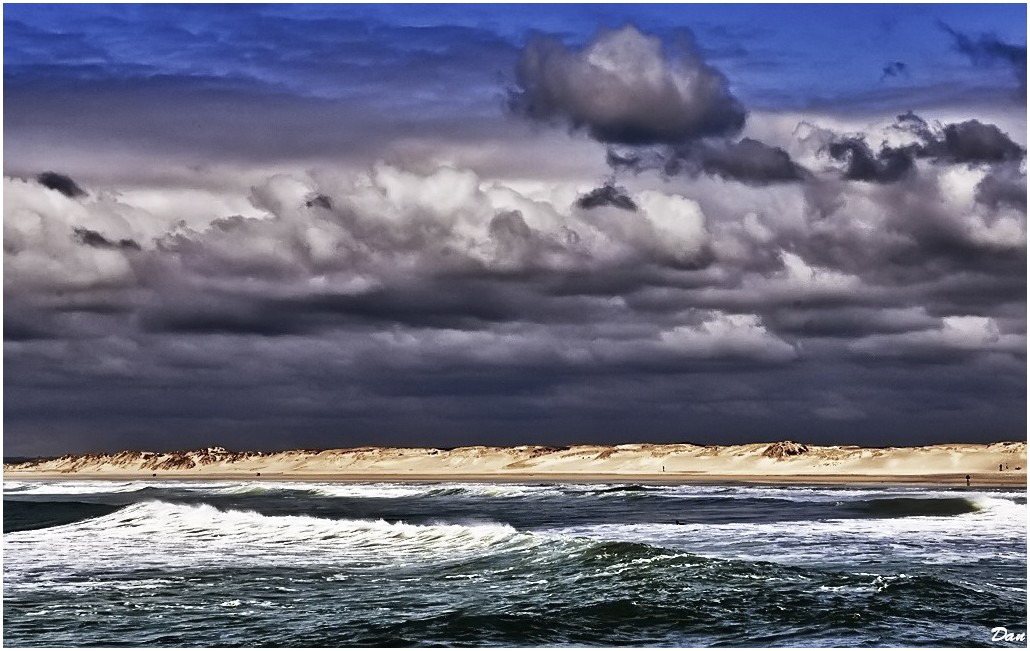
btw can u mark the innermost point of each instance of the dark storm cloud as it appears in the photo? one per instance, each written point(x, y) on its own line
point(89, 237)
point(626, 158)
point(888, 165)
point(210, 344)
point(753, 162)
point(975, 142)
point(63, 184)
point(607, 195)
point(456, 304)
point(297, 395)
point(1003, 185)
point(319, 201)
point(915, 125)
point(971, 141)
point(23, 323)
point(988, 50)
point(847, 322)
point(919, 245)
point(626, 87)
point(747, 161)
point(221, 314)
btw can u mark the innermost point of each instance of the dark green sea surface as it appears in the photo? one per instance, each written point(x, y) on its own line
point(90, 563)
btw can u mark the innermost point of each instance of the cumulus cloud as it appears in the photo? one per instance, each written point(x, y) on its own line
point(393, 244)
point(626, 87)
point(448, 248)
point(728, 335)
point(43, 250)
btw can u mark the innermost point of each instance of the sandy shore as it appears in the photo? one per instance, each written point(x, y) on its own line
point(995, 464)
point(997, 480)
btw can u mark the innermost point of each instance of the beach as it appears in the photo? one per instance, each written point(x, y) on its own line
point(994, 464)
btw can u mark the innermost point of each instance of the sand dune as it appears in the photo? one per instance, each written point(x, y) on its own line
point(782, 461)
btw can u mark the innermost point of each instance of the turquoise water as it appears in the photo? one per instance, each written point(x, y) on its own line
point(321, 564)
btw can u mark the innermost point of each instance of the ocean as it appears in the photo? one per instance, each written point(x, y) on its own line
point(206, 563)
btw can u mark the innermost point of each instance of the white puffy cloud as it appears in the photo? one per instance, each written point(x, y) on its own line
point(728, 335)
point(956, 334)
point(41, 251)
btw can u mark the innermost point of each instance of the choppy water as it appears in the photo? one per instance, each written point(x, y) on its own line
point(319, 564)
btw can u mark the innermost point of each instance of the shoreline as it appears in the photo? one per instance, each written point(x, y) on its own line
point(949, 480)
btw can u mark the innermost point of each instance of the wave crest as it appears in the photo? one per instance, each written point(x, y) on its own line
point(204, 525)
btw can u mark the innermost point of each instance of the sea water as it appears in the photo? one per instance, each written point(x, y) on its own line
point(339, 564)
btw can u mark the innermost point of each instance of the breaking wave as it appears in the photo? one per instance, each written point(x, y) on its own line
point(162, 532)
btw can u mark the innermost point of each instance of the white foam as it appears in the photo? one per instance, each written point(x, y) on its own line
point(997, 531)
point(162, 534)
point(385, 490)
point(107, 486)
point(172, 535)
point(72, 487)
point(367, 491)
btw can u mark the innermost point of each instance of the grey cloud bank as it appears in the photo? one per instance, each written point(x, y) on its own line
point(722, 285)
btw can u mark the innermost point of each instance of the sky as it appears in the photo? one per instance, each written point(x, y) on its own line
point(280, 226)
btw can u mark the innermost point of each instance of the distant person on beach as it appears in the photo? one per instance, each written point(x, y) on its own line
point(967, 480)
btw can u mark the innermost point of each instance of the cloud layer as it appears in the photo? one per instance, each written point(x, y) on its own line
point(325, 271)
point(432, 287)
